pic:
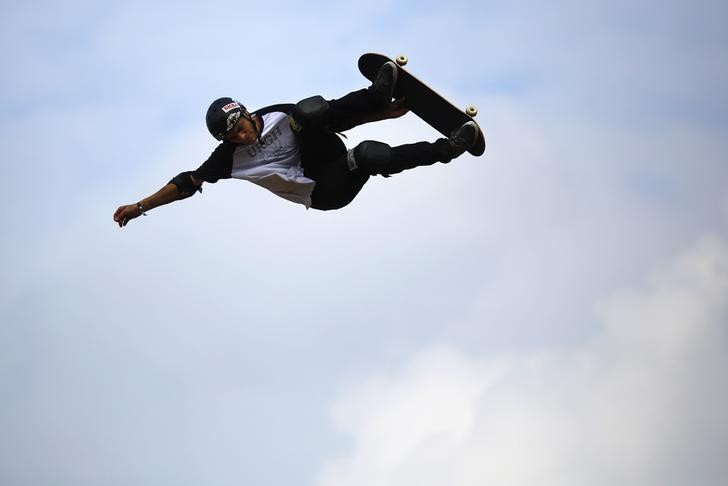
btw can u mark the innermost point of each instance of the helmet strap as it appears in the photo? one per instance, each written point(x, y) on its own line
point(249, 117)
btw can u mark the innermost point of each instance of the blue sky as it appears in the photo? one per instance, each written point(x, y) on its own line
point(555, 309)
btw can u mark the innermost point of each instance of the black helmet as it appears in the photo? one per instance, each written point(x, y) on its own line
point(222, 116)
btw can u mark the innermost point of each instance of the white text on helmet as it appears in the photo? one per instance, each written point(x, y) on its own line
point(230, 106)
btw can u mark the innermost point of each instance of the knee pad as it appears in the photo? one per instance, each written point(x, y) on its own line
point(369, 155)
point(309, 114)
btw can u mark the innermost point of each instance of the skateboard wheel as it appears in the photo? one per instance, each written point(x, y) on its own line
point(401, 60)
point(471, 110)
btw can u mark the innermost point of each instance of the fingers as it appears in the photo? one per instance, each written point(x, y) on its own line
point(398, 108)
point(118, 216)
point(123, 215)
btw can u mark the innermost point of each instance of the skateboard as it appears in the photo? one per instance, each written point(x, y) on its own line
point(422, 100)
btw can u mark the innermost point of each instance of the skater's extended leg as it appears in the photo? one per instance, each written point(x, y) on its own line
point(379, 158)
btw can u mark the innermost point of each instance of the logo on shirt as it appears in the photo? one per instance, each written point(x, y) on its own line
point(268, 147)
point(230, 106)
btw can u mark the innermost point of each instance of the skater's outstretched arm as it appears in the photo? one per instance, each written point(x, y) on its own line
point(165, 195)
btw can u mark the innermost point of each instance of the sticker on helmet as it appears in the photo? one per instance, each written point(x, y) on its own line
point(232, 119)
point(230, 106)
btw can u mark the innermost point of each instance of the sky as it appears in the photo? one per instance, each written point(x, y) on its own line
point(553, 312)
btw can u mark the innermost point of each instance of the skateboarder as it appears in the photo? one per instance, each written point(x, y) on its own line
point(294, 150)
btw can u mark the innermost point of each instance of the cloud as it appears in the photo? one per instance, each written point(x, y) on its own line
point(201, 343)
point(640, 403)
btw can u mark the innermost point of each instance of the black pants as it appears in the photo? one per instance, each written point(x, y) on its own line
point(324, 154)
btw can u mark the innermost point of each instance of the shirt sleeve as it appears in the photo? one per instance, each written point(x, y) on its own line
point(218, 166)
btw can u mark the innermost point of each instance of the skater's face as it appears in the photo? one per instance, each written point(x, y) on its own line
point(242, 133)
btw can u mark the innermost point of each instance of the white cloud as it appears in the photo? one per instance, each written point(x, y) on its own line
point(640, 403)
point(604, 156)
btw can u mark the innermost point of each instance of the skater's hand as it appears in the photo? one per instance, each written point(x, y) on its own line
point(395, 109)
point(126, 213)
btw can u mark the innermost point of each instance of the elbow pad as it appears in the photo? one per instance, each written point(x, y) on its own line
point(184, 184)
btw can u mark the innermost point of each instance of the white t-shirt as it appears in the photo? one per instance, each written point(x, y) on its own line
point(276, 163)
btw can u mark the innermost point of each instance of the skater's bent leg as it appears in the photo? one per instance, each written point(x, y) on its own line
point(316, 114)
point(358, 106)
point(353, 109)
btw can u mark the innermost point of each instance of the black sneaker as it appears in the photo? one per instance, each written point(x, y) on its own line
point(385, 81)
point(463, 138)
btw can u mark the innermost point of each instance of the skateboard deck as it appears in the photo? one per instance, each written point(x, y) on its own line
point(422, 100)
